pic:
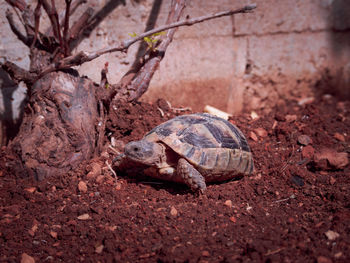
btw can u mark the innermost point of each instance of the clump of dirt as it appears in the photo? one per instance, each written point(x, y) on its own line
point(294, 208)
point(130, 121)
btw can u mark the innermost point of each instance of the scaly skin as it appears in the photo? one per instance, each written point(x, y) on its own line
point(191, 176)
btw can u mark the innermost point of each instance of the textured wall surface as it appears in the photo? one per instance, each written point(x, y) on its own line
point(248, 61)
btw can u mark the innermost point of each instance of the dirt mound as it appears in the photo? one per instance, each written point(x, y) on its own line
point(295, 208)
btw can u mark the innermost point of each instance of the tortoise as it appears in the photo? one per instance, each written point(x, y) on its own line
point(192, 149)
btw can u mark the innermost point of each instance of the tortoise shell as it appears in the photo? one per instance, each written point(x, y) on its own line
point(214, 146)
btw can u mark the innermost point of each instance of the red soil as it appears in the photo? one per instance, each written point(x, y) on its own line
point(295, 208)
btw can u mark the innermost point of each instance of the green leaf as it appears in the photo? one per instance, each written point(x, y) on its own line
point(159, 33)
point(132, 34)
point(147, 39)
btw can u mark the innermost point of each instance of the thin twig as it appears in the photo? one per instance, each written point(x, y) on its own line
point(104, 80)
point(19, 16)
point(113, 172)
point(29, 29)
point(287, 162)
point(17, 73)
point(66, 28)
point(37, 14)
point(53, 16)
point(75, 5)
point(83, 57)
point(188, 22)
point(26, 18)
point(56, 20)
point(20, 4)
point(285, 199)
point(62, 15)
point(100, 129)
point(79, 25)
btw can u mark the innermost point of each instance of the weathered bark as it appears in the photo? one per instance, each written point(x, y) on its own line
point(60, 123)
point(59, 126)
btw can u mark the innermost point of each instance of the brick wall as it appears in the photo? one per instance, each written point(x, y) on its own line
point(248, 61)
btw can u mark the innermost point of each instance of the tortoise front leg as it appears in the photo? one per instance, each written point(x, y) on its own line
point(191, 176)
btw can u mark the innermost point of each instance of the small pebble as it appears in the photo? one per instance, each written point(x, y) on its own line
point(331, 235)
point(95, 170)
point(118, 186)
point(233, 219)
point(205, 253)
point(307, 100)
point(53, 234)
point(99, 249)
point(253, 136)
point(297, 180)
point(322, 259)
point(274, 125)
point(228, 203)
point(84, 217)
point(30, 189)
point(308, 152)
point(173, 211)
point(339, 137)
point(254, 115)
point(304, 139)
point(33, 229)
point(260, 132)
point(291, 118)
point(82, 187)
point(27, 259)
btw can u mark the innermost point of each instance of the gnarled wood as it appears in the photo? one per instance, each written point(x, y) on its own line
point(59, 127)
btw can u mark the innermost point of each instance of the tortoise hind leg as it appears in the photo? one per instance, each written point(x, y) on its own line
point(191, 176)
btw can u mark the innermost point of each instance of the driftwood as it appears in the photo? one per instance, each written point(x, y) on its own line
point(63, 123)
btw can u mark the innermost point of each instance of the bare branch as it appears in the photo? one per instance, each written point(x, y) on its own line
point(56, 23)
point(188, 22)
point(37, 14)
point(20, 4)
point(17, 73)
point(83, 57)
point(27, 40)
point(53, 16)
point(76, 4)
point(80, 24)
point(66, 27)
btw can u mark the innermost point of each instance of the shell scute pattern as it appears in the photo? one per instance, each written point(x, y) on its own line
point(213, 145)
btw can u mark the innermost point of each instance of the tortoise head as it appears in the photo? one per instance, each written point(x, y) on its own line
point(149, 153)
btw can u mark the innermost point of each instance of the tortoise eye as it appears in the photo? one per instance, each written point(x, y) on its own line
point(136, 149)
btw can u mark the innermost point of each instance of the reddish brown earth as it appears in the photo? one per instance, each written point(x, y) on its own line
point(295, 208)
